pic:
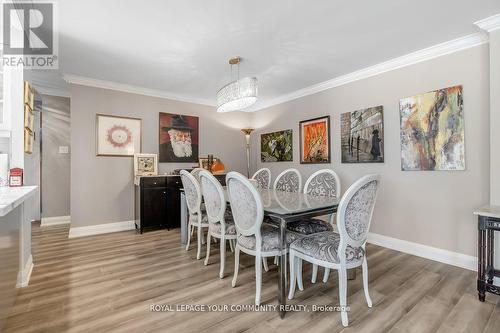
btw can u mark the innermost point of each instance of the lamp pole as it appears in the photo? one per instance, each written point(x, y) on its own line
point(247, 132)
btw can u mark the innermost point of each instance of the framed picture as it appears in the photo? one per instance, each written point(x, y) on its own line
point(29, 95)
point(179, 137)
point(432, 131)
point(315, 140)
point(28, 141)
point(117, 136)
point(362, 136)
point(29, 118)
point(145, 164)
point(276, 146)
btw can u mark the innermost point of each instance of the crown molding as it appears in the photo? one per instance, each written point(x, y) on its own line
point(89, 82)
point(429, 53)
point(489, 24)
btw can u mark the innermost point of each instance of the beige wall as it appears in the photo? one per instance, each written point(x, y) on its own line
point(102, 187)
point(431, 208)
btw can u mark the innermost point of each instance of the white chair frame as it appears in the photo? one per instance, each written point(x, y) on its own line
point(254, 230)
point(345, 240)
point(219, 217)
point(266, 170)
point(284, 173)
point(194, 213)
point(196, 173)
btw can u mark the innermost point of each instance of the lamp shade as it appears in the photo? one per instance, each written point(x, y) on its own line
point(237, 95)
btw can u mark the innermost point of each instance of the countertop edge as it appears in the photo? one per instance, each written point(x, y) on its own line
point(27, 191)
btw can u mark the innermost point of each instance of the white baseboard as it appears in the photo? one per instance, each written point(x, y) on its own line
point(55, 220)
point(424, 251)
point(23, 277)
point(101, 229)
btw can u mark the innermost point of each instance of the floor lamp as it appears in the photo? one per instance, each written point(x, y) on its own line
point(247, 132)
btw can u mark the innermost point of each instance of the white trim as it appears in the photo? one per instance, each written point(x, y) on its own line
point(424, 251)
point(429, 53)
point(489, 24)
point(101, 229)
point(55, 220)
point(86, 81)
point(23, 277)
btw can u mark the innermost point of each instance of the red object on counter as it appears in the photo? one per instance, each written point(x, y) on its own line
point(16, 177)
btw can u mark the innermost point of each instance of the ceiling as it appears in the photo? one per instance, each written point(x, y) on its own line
point(182, 47)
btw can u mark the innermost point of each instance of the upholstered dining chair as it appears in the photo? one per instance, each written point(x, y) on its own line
point(263, 178)
point(220, 221)
point(289, 180)
point(343, 250)
point(196, 173)
point(324, 183)
point(193, 198)
point(253, 237)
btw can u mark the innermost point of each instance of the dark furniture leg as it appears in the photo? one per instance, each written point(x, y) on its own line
point(490, 263)
point(481, 288)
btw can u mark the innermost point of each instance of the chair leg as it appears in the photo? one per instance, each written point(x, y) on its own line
point(236, 265)
point(202, 236)
point(264, 263)
point(314, 273)
point(231, 245)
point(258, 278)
point(326, 275)
point(343, 295)
point(208, 249)
point(365, 282)
point(189, 236)
point(222, 256)
point(198, 254)
point(293, 273)
point(276, 261)
point(298, 266)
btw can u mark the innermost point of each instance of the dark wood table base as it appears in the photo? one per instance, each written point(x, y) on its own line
point(486, 270)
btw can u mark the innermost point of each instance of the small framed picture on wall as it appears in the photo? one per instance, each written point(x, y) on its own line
point(145, 164)
point(117, 136)
point(315, 140)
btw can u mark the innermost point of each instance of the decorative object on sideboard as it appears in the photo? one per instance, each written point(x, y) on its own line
point(179, 135)
point(239, 94)
point(117, 136)
point(432, 130)
point(315, 140)
point(276, 146)
point(247, 132)
point(217, 165)
point(145, 164)
point(362, 135)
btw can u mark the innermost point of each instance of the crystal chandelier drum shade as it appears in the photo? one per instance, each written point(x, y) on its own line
point(237, 95)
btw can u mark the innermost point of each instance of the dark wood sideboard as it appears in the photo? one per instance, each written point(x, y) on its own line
point(157, 202)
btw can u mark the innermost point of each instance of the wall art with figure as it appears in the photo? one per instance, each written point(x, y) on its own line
point(179, 137)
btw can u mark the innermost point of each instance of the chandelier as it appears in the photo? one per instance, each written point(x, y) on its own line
point(239, 94)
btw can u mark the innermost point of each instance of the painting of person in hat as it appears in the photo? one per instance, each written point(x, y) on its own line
point(178, 138)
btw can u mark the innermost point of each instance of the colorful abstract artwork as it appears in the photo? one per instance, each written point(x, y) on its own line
point(432, 130)
point(178, 138)
point(315, 140)
point(276, 146)
point(362, 136)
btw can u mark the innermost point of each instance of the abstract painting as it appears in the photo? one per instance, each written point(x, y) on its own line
point(276, 146)
point(315, 140)
point(362, 136)
point(178, 138)
point(118, 136)
point(432, 130)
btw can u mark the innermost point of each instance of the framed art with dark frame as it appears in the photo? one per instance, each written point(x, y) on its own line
point(315, 140)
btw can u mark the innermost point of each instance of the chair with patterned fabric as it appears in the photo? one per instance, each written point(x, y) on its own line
point(289, 180)
point(325, 183)
point(193, 199)
point(220, 220)
point(263, 178)
point(343, 250)
point(196, 173)
point(253, 237)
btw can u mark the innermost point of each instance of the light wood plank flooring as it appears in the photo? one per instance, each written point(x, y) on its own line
point(107, 283)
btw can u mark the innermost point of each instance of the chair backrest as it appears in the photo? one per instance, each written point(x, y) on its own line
point(192, 191)
point(246, 206)
point(355, 212)
point(196, 173)
point(324, 183)
point(213, 196)
point(263, 178)
point(289, 180)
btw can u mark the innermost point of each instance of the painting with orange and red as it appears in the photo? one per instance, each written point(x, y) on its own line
point(179, 135)
point(315, 140)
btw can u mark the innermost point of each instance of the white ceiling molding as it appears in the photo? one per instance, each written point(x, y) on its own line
point(489, 24)
point(86, 81)
point(429, 53)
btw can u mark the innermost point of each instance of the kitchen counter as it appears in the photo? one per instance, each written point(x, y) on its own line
point(11, 197)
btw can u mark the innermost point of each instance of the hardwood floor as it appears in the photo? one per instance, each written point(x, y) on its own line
point(107, 283)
